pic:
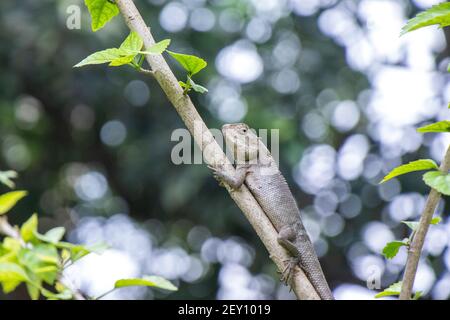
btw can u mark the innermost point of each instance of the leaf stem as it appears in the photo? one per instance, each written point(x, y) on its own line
point(104, 294)
point(146, 71)
point(418, 238)
point(138, 67)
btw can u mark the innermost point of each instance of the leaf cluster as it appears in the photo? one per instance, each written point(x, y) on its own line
point(436, 179)
point(38, 260)
point(130, 51)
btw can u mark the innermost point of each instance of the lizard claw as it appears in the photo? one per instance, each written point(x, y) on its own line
point(288, 271)
point(216, 174)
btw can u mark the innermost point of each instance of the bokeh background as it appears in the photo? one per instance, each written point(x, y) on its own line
point(93, 145)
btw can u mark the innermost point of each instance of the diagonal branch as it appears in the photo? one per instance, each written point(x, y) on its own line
point(418, 240)
point(212, 152)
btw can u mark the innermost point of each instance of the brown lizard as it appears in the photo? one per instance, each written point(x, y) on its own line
point(256, 168)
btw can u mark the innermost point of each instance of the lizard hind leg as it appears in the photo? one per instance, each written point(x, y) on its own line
point(286, 236)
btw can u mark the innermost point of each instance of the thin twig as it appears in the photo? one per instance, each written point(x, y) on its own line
point(146, 72)
point(418, 239)
point(104, 294)
point(138, 67)
point(212, 152)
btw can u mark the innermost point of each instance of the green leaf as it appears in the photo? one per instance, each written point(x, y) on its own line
point(55, 235)
point(6, 176)
point(418, 165)
point(101, 12)
point(391, 249)
point(11, 244)
point(76, 251)
point(438, 14)
point(103, 56)
point(40, 255)
point(436, 220)
point(42, 261)
point(192, 64)
point(11, 275)
point(29, 228)
point(9, 200)
point(438, 180)
point(149, 281)
point(393, 290)
point(158, 47)
point(413, 225)
point(441, 126)
point(10, 286)
point(129, 49)
point(79, 251)
point(197, 87)
point(65, 256)
point(133, 42)
point(121, 61)
point(51, 236)
point(417, 295)
point(9, 250)
point(33, 291)
point(98, 248)
point(66, 294)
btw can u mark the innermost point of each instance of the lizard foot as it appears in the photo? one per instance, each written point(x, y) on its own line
point(217, 174)
point(288, 272)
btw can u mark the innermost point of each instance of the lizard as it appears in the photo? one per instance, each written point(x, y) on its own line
point(256, 168)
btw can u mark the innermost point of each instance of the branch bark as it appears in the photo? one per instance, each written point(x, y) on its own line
point(418, 240)
point(212, 152)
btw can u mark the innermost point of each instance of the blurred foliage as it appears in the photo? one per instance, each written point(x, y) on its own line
point(40, 260)
point(96, 142)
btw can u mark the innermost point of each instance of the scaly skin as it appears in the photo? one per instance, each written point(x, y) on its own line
point(258, 170)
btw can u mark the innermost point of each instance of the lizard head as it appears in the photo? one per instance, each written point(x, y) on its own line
point(241, 140)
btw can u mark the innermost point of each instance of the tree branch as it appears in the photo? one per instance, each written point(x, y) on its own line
point(212, 152)
point(418, 240)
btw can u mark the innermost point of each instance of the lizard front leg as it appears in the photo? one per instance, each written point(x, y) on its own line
point(286, 238)
point(234, 179)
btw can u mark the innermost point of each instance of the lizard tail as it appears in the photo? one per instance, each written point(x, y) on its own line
point(319, 283)
point(324, 291)
point(311, 265)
